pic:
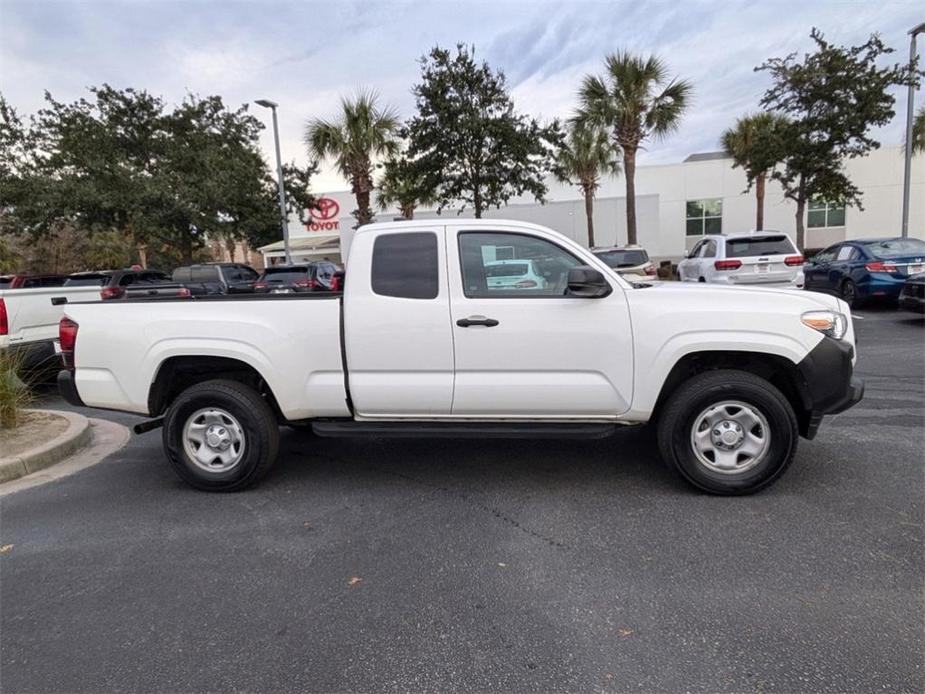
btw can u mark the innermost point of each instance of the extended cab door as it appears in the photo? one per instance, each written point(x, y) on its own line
point(524, 347)
point(397, 335)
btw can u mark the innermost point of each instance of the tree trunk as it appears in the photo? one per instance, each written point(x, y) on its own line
point(230, 247)
point(589, 214)
point(759, 195)
point(801, 206)
point(364, 214)
point(477, 202)
point(407, 211)
point(629, 171)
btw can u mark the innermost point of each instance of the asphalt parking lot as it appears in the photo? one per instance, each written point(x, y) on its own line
point(389, 565)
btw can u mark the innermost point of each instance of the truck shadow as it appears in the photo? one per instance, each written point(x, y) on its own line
point(628, 458)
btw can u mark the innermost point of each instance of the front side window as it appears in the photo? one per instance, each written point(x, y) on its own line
point(406, 265)
point(704, 216)
point(825, 214)
point(497, 264)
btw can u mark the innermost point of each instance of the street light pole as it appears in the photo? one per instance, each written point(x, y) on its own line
point(910, 115)
point(284, 218)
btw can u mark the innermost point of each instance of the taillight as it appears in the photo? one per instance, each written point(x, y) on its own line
point(793, 260)
point(310, 283)
point(184, 292)
point(260, 285)
point(880, 266)
point(67, 337)
point(650, 270)
point(111, 293)
point(525, 284)
point(335, 284)
point(727, 264)
point(4, 321)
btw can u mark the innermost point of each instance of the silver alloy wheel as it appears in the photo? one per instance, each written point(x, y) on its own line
point(730, 437)
point(213, 440)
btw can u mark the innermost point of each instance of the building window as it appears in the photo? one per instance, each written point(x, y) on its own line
point(704, 217)
point(825, 214)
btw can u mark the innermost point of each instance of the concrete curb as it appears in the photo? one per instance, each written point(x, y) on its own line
point(77, 435)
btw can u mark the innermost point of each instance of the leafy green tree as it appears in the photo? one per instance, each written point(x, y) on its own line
point(164, 178)
point(108, 248)
point(362, 132)
point(635, 100)
point(586, 154)
point(918, 132)
point(468, 143)
point(755, 144)
point(832, 97)
point(403, 185)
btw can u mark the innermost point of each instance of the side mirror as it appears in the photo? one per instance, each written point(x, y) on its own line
point(587, 283)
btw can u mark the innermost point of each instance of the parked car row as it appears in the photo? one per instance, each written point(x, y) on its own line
point(191, 280)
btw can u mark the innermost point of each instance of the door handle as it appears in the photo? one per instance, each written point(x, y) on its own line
point(476, 320)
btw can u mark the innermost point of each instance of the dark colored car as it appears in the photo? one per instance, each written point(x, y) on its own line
point(113, 284)
point(319, 276)
point(912, 297)
point(865, 268)
point(216, 278)
point(30, 281)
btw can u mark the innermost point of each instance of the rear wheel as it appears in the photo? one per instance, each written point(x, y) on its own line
point(849, 292)
point(728, 432)
point(220, 436)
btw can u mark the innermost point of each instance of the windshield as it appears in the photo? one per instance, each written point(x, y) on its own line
point(617, 259)
point(766, 245)
point(507, 270)
point(285, 274)
point(86, 280)
point(895, 248)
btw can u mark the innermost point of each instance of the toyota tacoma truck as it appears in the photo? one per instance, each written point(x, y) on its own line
point(421, 342)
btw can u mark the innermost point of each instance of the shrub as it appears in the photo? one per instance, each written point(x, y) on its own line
point(14, 393)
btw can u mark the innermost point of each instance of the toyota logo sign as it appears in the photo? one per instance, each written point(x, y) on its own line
point(324, 215)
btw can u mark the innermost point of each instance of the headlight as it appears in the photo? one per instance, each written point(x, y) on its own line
point(830, 323)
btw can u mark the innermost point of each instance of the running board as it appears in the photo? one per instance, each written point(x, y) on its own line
point(490, 430)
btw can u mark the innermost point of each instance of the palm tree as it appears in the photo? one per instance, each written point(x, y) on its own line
point(403, 185)
point(585, 155)
point(362, 132)
point(918, 132)
point(754, 145)
point(635, 100)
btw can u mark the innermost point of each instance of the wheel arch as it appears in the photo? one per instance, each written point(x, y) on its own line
point(177, 373)
point(781, 372)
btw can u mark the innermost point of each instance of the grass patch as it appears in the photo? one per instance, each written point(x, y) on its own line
point(14, 393)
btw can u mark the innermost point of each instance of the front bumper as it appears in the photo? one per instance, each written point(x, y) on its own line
point(68, 388)
point(829, 383)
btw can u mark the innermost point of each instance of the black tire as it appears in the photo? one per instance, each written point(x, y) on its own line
point(849, 293)
point(255, 419)
point(701, 280)
point(679, 415)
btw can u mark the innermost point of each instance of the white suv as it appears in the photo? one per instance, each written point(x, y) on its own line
point(760, 257)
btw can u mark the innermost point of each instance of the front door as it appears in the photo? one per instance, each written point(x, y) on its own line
point(524, 347)
point(397, 331)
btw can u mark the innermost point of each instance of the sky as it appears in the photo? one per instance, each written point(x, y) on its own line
point(307, 55)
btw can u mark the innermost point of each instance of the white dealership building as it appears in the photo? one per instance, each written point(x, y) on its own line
point(675, 205)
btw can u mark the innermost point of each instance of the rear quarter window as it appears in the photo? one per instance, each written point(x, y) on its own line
point(768, 245)
point(405, 265)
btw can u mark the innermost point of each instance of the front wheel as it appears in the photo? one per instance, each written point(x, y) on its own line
point(728, 432)
point(220, 436)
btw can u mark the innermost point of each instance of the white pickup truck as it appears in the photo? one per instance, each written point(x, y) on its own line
point(29, 321)
point(423, 342)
